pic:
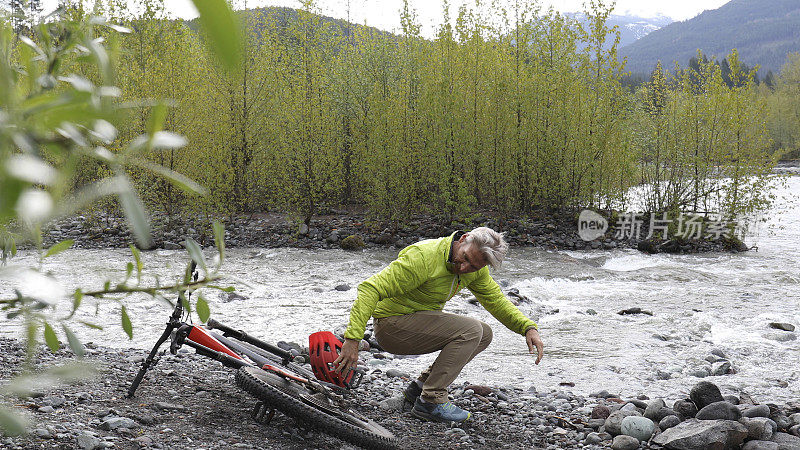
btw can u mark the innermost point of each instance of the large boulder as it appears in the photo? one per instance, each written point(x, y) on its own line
point(696, 434)
point(705, 393)
point(640, 428)
point(761, 445)
point(614, 421)
point(786, 441)
point(719, 410)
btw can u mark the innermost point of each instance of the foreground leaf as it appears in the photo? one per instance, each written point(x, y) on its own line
point(11, 423)
point(74, 343)
point(203, 311)
point(50, 338)
point(219, 239)
point(126, 323)
point(223, 32)
point(59, 247)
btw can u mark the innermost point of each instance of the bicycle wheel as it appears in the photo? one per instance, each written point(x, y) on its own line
point(316, 411)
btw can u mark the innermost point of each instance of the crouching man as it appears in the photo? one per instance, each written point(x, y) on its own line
point(406, 299)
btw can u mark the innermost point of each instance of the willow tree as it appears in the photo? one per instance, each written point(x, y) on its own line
point(309, 144)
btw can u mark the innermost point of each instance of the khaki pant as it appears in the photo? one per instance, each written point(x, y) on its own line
point(459, 338)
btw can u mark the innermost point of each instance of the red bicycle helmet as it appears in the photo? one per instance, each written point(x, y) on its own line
point(323, 348)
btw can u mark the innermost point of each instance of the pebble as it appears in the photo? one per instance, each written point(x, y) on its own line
point(169, 406)
point(112, 423)
point(43, 433)
point(592, 439)
point(600, 412)
point(46, 409)
point(396, 373)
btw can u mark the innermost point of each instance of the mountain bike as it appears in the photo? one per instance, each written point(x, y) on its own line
point(269, 374)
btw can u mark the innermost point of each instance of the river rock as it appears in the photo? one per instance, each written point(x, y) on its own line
point(782, 326)
point(634, 310)
point(112, 423)
point(56, 401)
point(396, 373)
point(719, 410)
point(640, 428)
point(756, 411)
point(669, 422)
point(795, 418)
point(234, 297)
point(594, 439)
point(732, 399)
point(685, 409)
point(780, 336)
point(483, 391)
point(759, 428)
point(782, 422)
point(623, 442)
point(719, 353)
point(652, 407)
point(392, 404)
point(720, 368)
point(705, 393)
point(696, 434)
point(786, 441)
point(761, 445)
point(342, 287)
point(352, 242)
point(614, 421)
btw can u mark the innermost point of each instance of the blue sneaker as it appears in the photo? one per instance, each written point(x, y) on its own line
point(439, 412)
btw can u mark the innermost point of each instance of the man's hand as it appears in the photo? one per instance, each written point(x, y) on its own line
point(348, 357)
point(533, 340)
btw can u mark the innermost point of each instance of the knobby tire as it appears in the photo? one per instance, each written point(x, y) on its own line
point(283, 395)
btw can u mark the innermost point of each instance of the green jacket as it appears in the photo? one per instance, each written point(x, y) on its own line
point(420, 279)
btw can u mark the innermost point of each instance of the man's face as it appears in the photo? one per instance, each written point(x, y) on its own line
point(467, 258)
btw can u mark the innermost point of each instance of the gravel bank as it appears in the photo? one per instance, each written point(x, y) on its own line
point(188, 401)
point(272, 230)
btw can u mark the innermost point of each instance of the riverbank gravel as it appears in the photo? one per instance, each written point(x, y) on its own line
point(191, 402)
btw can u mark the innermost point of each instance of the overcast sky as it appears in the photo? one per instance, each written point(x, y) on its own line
point(384, 13)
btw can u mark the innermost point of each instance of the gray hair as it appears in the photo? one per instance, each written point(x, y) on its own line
point(490, 243)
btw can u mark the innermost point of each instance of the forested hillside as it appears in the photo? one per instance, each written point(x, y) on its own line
point(764, 32)
point(323, 113)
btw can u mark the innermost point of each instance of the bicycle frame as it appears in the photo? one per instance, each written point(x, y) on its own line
point(225, 349)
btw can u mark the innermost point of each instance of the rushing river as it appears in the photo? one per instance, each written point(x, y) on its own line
point(699, 303)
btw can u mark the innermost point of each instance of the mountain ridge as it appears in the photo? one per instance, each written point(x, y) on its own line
point(763, 32)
